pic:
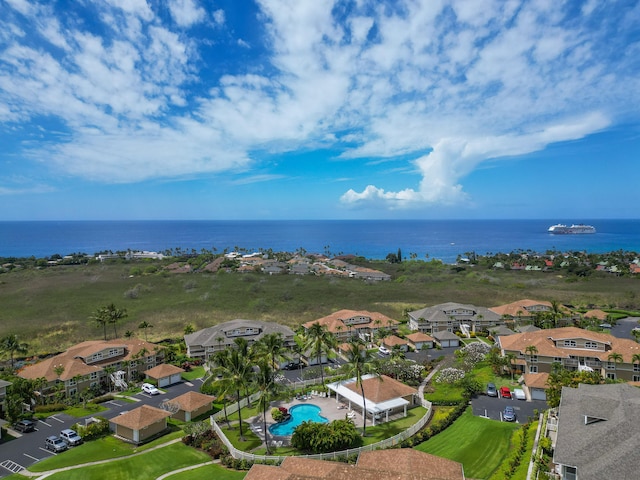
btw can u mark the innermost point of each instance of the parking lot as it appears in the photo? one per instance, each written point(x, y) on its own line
point(492, 407)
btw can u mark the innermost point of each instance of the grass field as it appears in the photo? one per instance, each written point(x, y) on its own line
point(209, 472)
point(478, 443)
point(50, 308)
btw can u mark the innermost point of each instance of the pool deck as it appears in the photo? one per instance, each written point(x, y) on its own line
point(329, 409)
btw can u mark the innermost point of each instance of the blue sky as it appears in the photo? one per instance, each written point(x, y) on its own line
point(296, 109)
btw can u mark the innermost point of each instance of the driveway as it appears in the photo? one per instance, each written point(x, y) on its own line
point(623, 327)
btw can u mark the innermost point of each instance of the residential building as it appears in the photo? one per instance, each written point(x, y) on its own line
point(419, 340)
point(450, 316)
point(3, 396)
point(89, 364)
point(140, 424)
point(598, 432)
point(574, 349)
point(525, 311)
point(351, 324)
point(206, 342)
point(397, 464)
point(191, 405)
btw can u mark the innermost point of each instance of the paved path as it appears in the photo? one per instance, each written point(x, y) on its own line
point(186, 469)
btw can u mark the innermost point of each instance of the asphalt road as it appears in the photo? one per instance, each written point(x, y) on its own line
point(28, 448)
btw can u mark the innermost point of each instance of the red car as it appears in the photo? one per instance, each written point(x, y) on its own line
point(505, 392)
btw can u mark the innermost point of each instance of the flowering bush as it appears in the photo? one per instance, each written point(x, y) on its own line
point(450, 375)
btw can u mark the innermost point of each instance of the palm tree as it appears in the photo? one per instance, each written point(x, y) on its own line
point(145, 326)
point(531, 350)
point(320, 341)
point(115, 315)
point(271, 345)
point(511, 358)
point(615, 357)
point(11, 344)
point(235, 373)
point(101, 317)
point(359, 363)
point(268, 389)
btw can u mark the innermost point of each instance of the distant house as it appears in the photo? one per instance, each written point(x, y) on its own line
point(394, 341)
point(446, 339)
point(191, 405)
point(87, 364)
point(141, 424)
point(597, 433)
point(526, 310)
point(165, 374)
point(420, 341)
point(206, 342)
point(396, 464)
point(449, 316)
point(349, 324)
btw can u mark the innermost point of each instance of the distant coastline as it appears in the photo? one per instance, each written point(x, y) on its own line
point(374, 239)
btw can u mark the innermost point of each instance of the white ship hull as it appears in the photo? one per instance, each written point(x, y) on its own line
point(578, 229)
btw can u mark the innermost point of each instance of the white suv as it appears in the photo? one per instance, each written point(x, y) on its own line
point(150, 389)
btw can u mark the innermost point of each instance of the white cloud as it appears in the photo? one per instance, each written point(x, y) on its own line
point(186, 12)
point(466, 81)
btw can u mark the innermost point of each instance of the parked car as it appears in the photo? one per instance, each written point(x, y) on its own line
point(384, 350)
point(25, 426)
point(150, 389)
point(291, 366)
point(505, 392)
point(70, 437)
point(605, 325)
point(492, 391)
point(519, 394)
point(509, 414)
point(55, 444)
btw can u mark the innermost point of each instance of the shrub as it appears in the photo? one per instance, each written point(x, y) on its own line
point(277, 414)
point(52, 407)
point(325, 437)
point(95, 429)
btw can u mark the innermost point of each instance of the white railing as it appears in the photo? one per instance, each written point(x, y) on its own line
point(387, 443)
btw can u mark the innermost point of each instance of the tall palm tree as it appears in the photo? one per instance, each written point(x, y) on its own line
point(115, 315)
point(359, 363)
point(272, 346)
point(268, 389)
point(235, 373)
point(615, 357)
point(511, 358)
point(101, 317)
point(320, 341)
point(11, 344)
point(531, 350)
point(145, 326)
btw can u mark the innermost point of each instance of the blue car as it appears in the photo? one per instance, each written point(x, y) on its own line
point(509, 414)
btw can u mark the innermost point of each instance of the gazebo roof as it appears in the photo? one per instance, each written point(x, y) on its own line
point(381, 393)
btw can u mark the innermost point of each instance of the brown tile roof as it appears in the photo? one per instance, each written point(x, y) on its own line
point(335, 321)
point(396, 464)
point(407, 460)
point(73, 359)
point(192, 401)
point(543, 340)
point(419, 337)
point(140, 417)
point(163, 370)
point(599, 314)
point(519, 307)
point(381, 389)
point(393, 340)
point(536, 380)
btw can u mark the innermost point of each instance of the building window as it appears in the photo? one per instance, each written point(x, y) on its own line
point(611, 375)
point(570, 473)
point(590, 344)
point(569, 343)
point(636, 378)
point(611, 365)
point(71, 382)
point(534, 358)
point(533, 369)
point(93, 375)
point(73, 391)
point(636, 367)
point(557, 359)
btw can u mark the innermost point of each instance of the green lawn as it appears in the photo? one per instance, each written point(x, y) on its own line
point(194, 373)
point(100, 449)
point(478, 443)
point(148, 466)
point(207, 473)
point(386, 430)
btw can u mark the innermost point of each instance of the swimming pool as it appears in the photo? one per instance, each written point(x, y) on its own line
point(299, 413)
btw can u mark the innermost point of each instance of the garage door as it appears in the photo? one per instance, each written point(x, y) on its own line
point(163, 382)
point(538, 394)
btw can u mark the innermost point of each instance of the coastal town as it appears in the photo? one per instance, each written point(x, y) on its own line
point(526, 364)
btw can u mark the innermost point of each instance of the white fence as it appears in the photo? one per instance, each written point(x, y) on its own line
point(387, 443)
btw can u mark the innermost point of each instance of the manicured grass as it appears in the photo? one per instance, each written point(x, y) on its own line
point(209, 472)
point(443, 392)
point(251, 440)
point(80, 412)
point(100, 449)
point(478, 443)
point(194, 373)
point(385, 430)
point(141, 467)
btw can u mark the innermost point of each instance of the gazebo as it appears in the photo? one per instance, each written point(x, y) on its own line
point(384, 396)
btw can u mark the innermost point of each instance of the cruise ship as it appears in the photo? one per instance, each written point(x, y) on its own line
point(573, 229)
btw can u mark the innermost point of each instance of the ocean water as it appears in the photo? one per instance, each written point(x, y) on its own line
point(374, 239)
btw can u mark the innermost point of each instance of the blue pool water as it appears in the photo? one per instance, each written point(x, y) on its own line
point(299, 413)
